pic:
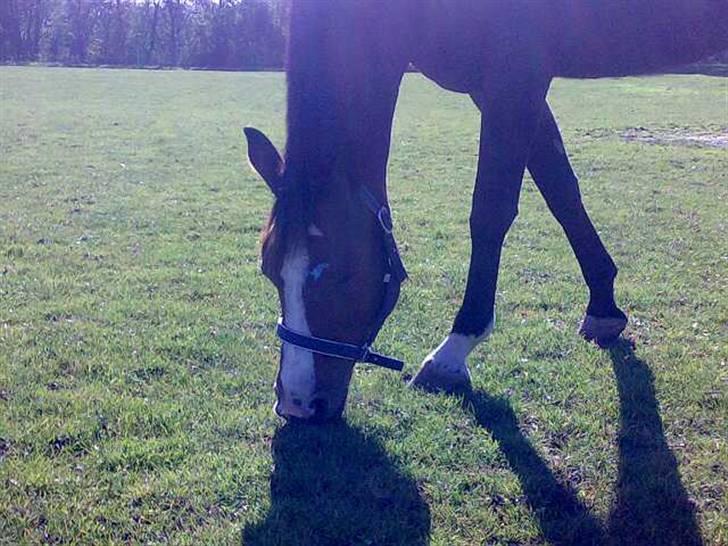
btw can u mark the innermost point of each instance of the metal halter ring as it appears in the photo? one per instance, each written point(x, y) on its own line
point(385, 220)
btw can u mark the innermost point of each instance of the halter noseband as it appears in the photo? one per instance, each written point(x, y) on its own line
point(393, 278)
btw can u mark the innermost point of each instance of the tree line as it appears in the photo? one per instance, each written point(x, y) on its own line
point(219, 34)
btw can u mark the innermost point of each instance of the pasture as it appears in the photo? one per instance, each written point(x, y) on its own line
point(137, 346)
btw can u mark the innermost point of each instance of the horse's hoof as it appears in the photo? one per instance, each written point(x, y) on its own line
point(435, 376)
point(604, 331)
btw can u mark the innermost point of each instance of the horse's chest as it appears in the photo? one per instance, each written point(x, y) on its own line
point(450, 61)
point(453, 40)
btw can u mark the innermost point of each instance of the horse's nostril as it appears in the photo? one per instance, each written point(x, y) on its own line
point(319, 407)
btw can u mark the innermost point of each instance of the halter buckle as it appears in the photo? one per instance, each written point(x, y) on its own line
point(385, 220)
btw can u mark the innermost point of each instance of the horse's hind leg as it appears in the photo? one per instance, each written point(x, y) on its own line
point(550, 168)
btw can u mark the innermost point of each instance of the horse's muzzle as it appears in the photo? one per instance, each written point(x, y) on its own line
point(321, 409)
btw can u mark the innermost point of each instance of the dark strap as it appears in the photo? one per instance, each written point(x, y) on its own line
point(336, 349)
point(381, 211)
point(396, 273)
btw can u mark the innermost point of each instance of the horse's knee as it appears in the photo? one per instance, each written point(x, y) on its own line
point(565, 204)
point(568, 211)
point(492, 226)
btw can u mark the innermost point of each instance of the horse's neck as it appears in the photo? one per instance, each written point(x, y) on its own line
point(342, 86)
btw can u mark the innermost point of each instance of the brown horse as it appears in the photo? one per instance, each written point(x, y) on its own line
point(328, 247)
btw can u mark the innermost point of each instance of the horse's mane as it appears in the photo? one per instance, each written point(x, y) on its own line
point(312, 76)
point(311, 120)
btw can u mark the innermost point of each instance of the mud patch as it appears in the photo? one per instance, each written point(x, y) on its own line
point(678, 137)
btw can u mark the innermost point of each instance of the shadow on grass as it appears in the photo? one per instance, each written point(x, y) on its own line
point(332, 485)
point(651, 506)
point(562, 517)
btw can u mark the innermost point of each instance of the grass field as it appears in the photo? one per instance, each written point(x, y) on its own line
point(137, 348)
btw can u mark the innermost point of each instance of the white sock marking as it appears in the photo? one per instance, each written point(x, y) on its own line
point(452, 353)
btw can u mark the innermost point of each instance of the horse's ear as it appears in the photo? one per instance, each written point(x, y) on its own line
point(265, 159)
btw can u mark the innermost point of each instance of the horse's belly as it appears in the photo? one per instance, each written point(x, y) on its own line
point(615, 39)
point(460, 44)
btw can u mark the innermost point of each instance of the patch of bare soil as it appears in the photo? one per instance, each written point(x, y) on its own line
point(678, 137)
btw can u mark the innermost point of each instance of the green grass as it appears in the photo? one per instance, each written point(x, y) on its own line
point(137, 348)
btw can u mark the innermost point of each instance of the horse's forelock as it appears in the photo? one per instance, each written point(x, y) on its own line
point(285, 228)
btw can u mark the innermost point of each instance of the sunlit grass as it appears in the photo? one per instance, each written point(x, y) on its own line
point(137, 349)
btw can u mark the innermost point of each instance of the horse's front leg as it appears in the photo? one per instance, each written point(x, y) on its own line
point(510, 120)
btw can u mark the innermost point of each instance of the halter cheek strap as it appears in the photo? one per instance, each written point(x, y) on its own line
point(393, 278)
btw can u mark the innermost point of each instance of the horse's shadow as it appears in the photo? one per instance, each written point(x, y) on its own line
point(651, 505)
point(333, 485)
point(562, 517)
point(334, 481)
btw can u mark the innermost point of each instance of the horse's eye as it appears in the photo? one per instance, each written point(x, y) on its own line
point(318, 271)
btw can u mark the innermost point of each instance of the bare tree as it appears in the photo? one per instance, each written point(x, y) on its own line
point(230, 34)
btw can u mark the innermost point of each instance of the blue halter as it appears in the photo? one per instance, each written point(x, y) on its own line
point(393, 278)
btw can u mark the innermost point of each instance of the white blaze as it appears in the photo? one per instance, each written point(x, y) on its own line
point(297, 374)
point(314, 231)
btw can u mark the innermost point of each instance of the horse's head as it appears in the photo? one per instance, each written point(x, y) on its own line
point(324, 251)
